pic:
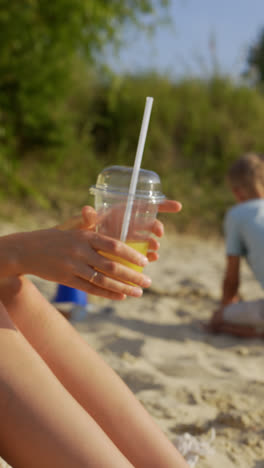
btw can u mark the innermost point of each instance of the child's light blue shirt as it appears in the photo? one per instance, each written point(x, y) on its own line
point(244, 233)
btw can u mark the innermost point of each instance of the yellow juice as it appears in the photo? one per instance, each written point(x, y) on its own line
point(141, 247)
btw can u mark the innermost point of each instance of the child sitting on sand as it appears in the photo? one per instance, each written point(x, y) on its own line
point(244, 236)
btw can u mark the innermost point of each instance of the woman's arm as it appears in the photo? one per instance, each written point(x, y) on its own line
point(68, 254)
point(71, 258)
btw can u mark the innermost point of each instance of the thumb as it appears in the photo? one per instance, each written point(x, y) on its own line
point(86, 221)
point(88, 217)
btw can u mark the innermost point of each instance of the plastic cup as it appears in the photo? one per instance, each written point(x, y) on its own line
point(111, 195)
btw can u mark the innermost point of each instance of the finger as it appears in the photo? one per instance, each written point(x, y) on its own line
point(89, 217)
point(153, 244)
point(74, 222)
point(118, 271)
point(84, 285)
point(158, 228)
point(170, 206)
point(149, 244)
point(100, 280)
point(152, 256)
point(116, 248)
point(86, 221)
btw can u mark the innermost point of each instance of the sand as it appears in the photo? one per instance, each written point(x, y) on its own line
point(189, 380)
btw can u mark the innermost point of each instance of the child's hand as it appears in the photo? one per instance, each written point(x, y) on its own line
point(216, 320)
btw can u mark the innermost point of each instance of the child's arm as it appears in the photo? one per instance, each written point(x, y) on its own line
point(229, 289)
point(231, 280)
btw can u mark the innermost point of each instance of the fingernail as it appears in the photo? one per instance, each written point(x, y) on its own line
point(137, 292)
point(144, 261)
point(146, 282)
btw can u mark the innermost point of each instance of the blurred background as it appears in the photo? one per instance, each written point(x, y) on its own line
point(73, 81)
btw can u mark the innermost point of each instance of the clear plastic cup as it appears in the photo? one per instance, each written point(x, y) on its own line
point(110, 200)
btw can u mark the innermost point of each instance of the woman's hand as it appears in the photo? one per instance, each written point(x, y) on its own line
point(88, 220)
point(68, 254)
point(70, 257)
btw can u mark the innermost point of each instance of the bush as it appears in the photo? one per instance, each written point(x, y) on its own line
point(197, 128)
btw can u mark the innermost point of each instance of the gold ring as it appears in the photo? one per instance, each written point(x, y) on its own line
point(95, 273)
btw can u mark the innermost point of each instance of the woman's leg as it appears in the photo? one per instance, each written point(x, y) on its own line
point(41, 423)
point(92, 383)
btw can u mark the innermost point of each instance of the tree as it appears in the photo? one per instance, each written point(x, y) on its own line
point(255, 60)
point(39, 40)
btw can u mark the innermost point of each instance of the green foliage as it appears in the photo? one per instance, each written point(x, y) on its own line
point(197, 128)
point(255, 60)
point(62, 119)
point(40, 41)
point(195, 123)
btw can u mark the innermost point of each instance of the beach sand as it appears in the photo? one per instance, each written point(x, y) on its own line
point(189, 380)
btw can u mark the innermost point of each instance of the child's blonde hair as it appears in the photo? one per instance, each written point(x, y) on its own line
point(247, 173)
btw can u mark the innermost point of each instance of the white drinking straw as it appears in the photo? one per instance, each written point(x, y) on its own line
point(136, 168)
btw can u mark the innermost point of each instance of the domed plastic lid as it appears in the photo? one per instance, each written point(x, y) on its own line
point(115, 180)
